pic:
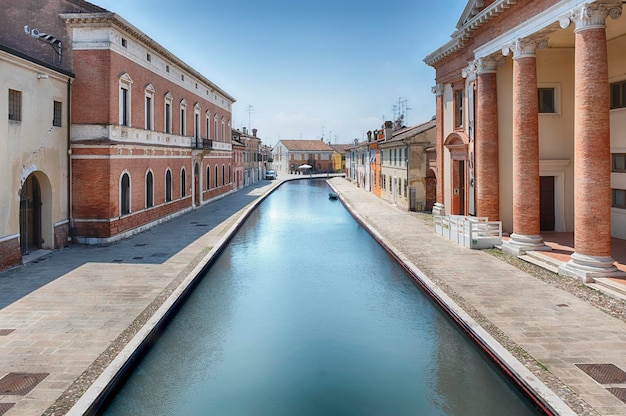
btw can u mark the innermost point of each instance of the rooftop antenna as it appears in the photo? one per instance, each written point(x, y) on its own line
point(250, 111)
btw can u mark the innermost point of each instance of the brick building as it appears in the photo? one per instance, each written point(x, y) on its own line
point(531, 123)
point(148, 136)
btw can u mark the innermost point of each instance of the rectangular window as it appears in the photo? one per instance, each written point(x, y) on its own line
point(196, 126)
point(182, 121)
point(15, 105)
point(148, 113)
point(458, 108)
point(124, 43)
point(619, 198)
point(123, 107)
point(618, 95)
point(618, 162)
point(168, 118)
point(149, 57)
point(547, 101)
point(57, 114)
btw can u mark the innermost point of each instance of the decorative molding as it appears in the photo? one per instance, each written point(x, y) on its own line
point(437, 90)
point(524, 48)
point(591, 16)
point(465, 29)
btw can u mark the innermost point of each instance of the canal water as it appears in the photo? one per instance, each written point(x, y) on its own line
point(305, 314)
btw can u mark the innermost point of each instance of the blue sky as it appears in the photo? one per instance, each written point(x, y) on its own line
point(306, 69)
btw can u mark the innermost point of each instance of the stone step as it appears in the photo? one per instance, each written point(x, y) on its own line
point(610, 284)
point(541, 261)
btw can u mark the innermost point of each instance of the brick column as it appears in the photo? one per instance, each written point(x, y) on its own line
point(592, 146)
point(439, 208)
point(526, 235)
point(486, 141)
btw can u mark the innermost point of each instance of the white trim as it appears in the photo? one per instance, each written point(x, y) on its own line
point(539, 22)
point(9, 237)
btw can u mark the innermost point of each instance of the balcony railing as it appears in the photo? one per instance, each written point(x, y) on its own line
point(198, 143)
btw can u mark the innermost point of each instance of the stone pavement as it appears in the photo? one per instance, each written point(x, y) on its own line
point(60, 314)
point(551, 330)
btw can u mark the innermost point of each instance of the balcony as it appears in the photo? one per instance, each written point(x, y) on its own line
point(204, 144)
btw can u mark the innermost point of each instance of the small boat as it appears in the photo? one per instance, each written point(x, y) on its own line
point(332, 195)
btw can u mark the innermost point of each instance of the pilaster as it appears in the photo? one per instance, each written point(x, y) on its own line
point(439, 208)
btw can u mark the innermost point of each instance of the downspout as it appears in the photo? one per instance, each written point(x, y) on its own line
point(71, 230)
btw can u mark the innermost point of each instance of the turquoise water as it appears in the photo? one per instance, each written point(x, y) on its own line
point(305, 314)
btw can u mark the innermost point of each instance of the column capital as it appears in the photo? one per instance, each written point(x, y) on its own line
point(591, 16)
point(484, 65)
point(524, 48)
point(437, 90)
point(488, 65)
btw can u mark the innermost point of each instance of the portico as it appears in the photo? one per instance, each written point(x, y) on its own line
point(530, 92)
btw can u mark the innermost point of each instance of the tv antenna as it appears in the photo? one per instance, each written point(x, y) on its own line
point(250, 111)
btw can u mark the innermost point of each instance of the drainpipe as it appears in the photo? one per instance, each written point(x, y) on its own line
point(71, 231)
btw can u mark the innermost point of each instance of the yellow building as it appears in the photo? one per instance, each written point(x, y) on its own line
point(34, 211)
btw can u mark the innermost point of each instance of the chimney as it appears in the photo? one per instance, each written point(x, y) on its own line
point(245, 131)
point(254, 132)
point(388, 130)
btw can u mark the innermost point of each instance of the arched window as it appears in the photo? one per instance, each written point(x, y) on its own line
point(223, 175)
point(149, 190)
point(216, 176)
point(183, 183)
point(125, 194)
point(208, 177)
point(229, 177)
point(168, 186)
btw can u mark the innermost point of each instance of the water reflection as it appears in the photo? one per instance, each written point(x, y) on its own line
point(304, 314)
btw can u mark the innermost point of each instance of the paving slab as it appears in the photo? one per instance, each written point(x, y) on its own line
point(63, 311)
point(555, 328)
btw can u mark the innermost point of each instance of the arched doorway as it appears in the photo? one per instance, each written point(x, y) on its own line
point(457, 146)
point(30, 216)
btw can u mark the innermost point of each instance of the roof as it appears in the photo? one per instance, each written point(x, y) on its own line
point(306, 145)
point(115, 20)
point(475, 15)
point(408, 132)
point(341, 148)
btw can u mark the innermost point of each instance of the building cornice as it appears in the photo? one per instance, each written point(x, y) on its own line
point(110, 19)
point(464, 30)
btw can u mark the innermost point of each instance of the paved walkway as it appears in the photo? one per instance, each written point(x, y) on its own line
point(60, 314)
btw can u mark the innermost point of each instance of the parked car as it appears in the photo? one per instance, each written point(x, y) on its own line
point(271, 174)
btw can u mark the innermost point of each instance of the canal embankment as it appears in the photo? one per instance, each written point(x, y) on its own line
point(552, 332)
point(71, 314)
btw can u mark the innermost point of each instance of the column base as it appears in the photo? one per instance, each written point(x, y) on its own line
point(587, 267)
point(519, 244)
point(439, 209)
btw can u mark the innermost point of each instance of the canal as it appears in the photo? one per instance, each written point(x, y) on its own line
point(305, 314)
